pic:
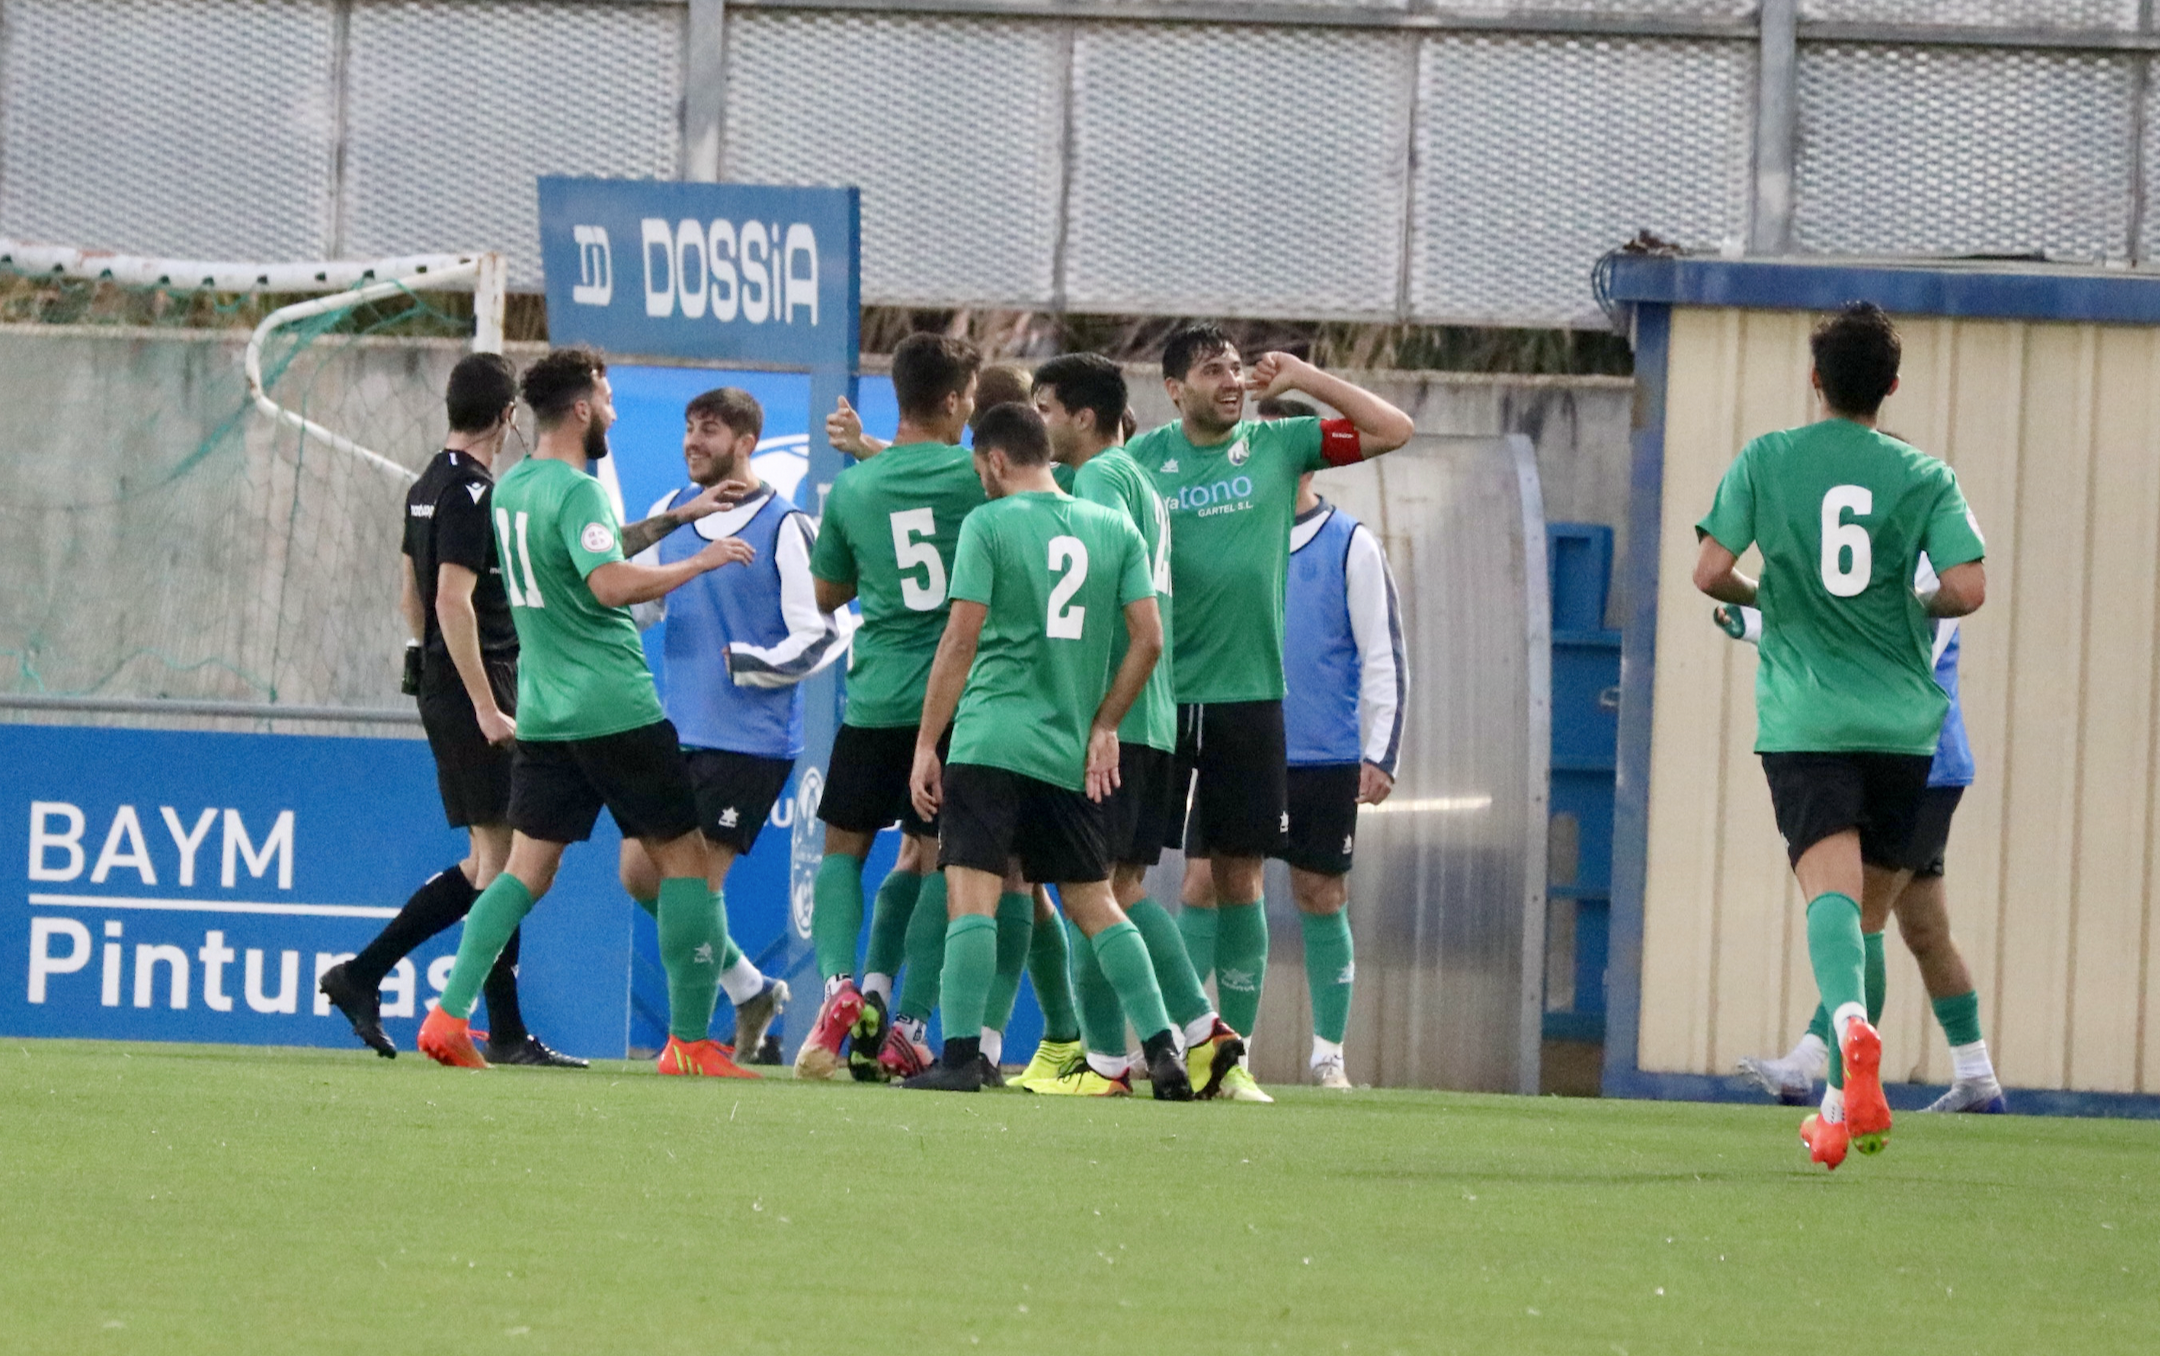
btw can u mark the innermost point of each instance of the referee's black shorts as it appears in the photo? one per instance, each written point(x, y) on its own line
point(473, 775)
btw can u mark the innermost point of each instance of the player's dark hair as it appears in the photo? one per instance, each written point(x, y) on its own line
point(1087, 381)
point(482, 386)
point(1856, 353)
point(1191, 344)
point(998, 384)
point(926, 368)
point(560, 380)
point(1284, 407)
point(731, 405)
point(1017, 431)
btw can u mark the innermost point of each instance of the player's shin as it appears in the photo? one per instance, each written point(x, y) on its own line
point(836, 912)
point(1015, 937)
point(970, 966)
point(1049, 967)
point(1175, 973)
point(1875, 974)
point(1241, 947)
point(1102, 1017)
point(690, 952)
point(1330, 969)
point(891, 914)
point(1123, 956)
point(495, 915)
point(1198, 927)
point(1838, 958)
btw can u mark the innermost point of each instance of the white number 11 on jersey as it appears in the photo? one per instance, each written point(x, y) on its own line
point(514, 551)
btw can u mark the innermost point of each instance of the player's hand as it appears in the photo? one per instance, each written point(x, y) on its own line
point(926, 783)
point(1102, 763)
point(843, 429)
point(710, 500)
point(1373, 785)
point(727, 551)
point(497, 727)
point(1276, 374)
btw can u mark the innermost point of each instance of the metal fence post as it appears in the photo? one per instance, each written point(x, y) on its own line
point(704, 102)
point(1770, 220)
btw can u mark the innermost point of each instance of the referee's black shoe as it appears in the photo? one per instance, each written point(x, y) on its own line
point(361, 1006)
point(531, 1052)
point(961, 1069)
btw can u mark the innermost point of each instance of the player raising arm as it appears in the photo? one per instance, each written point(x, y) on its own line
point(1847, 709)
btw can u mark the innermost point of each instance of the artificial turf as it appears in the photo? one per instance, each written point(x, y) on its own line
point(162, 1198)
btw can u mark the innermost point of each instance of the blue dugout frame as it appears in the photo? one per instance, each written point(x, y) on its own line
point(1650, 287)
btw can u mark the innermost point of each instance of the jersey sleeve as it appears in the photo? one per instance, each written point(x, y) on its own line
point(463, 535)
point(1301, 441)
point(588, 528)
point(1134, 578)
point(1731, 518)
point(1952, 535)
point(973, 570)
point(832, 559)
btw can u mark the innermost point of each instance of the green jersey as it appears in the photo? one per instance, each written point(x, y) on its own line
point(1113, 479)
point(1230, 506)
point(1056, 575)
point(1842, 513)
point(581, 670)
point(890, 527)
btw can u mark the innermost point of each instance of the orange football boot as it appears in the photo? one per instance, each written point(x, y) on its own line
point(707, 1057)
point(449, 1040)
point(1867, 1112)
point(1826, 1141)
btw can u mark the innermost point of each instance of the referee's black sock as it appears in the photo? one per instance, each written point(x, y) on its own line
point(506, 1025)
point(444, 899)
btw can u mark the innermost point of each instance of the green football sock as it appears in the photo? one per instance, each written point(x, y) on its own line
point(970, 966)
point(1124, 959)
point(690, 952)
point(1015, 938)
point(1051, 969)
point(1839, 959)
point(890, 915)
point(1330, 966)
point(1240, 963)
point(1174, 971)
point(1960, 1017)
point(1875, 975)
point(836, 914)
point(925, 951)
point(1819, 1025)
point(730, 954)
point(494, 916)
point(1102, 1017)
point(1198, 927)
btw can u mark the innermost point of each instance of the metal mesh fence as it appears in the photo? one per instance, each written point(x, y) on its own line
point(1536, 155)
point(951, 127)
point(1190, 192)
point(455, 109)
point(1910, 150)
point(2116, 14)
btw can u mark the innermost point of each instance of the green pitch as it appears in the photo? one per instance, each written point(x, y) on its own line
point(174, 1198)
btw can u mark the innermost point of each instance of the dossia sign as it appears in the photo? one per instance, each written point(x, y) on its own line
point(713, 272)
point(191, 886)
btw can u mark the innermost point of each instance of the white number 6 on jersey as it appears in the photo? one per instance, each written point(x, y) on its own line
point(907, 525)
point(1840, 537)
point(1068, 555)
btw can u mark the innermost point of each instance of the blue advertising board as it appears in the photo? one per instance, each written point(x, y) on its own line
point(186, 886)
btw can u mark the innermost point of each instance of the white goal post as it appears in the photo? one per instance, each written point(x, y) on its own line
point(347, 283)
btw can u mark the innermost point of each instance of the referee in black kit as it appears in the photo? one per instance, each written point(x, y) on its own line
point(467, 685)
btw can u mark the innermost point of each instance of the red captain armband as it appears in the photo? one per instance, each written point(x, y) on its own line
point(1339, 442)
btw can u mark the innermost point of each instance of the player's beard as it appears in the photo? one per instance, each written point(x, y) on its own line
point(1210, 419)
point(595, 441)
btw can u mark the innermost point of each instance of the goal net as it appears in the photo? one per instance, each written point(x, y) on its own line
point(203, 467)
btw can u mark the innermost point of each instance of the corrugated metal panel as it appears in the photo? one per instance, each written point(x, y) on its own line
point(2116, 14)
point(1188, 196)
point(1910, 150)
point(951, 127)
point(455, 109)
point(2055, 432)
point(1535, 155)
point(175, 127)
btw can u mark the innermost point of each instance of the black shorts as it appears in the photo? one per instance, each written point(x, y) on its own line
point(1144, 813)
point(559, 786)
point(473, 775)
point(735, 793)
point(1816, 795)
point(1931, 832)
point(1234, 756)
point(866, 781)
point(990, 816)
point(1323, 818)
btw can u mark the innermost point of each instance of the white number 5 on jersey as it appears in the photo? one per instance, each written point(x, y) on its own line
point(1841, 539)
point(927, 595)
point(1067, 556)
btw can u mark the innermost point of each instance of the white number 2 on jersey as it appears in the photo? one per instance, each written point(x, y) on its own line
point(929, 594)
point(1069, 556)
point(1841, 540)
point(514, 552)
point(1162, 545)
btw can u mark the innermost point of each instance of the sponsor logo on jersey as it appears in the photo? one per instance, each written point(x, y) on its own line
point(1240, 453)
point(1170, 467)
point(421, 510)
point(596, 537)
point(729, 819)
point(1221, 496)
